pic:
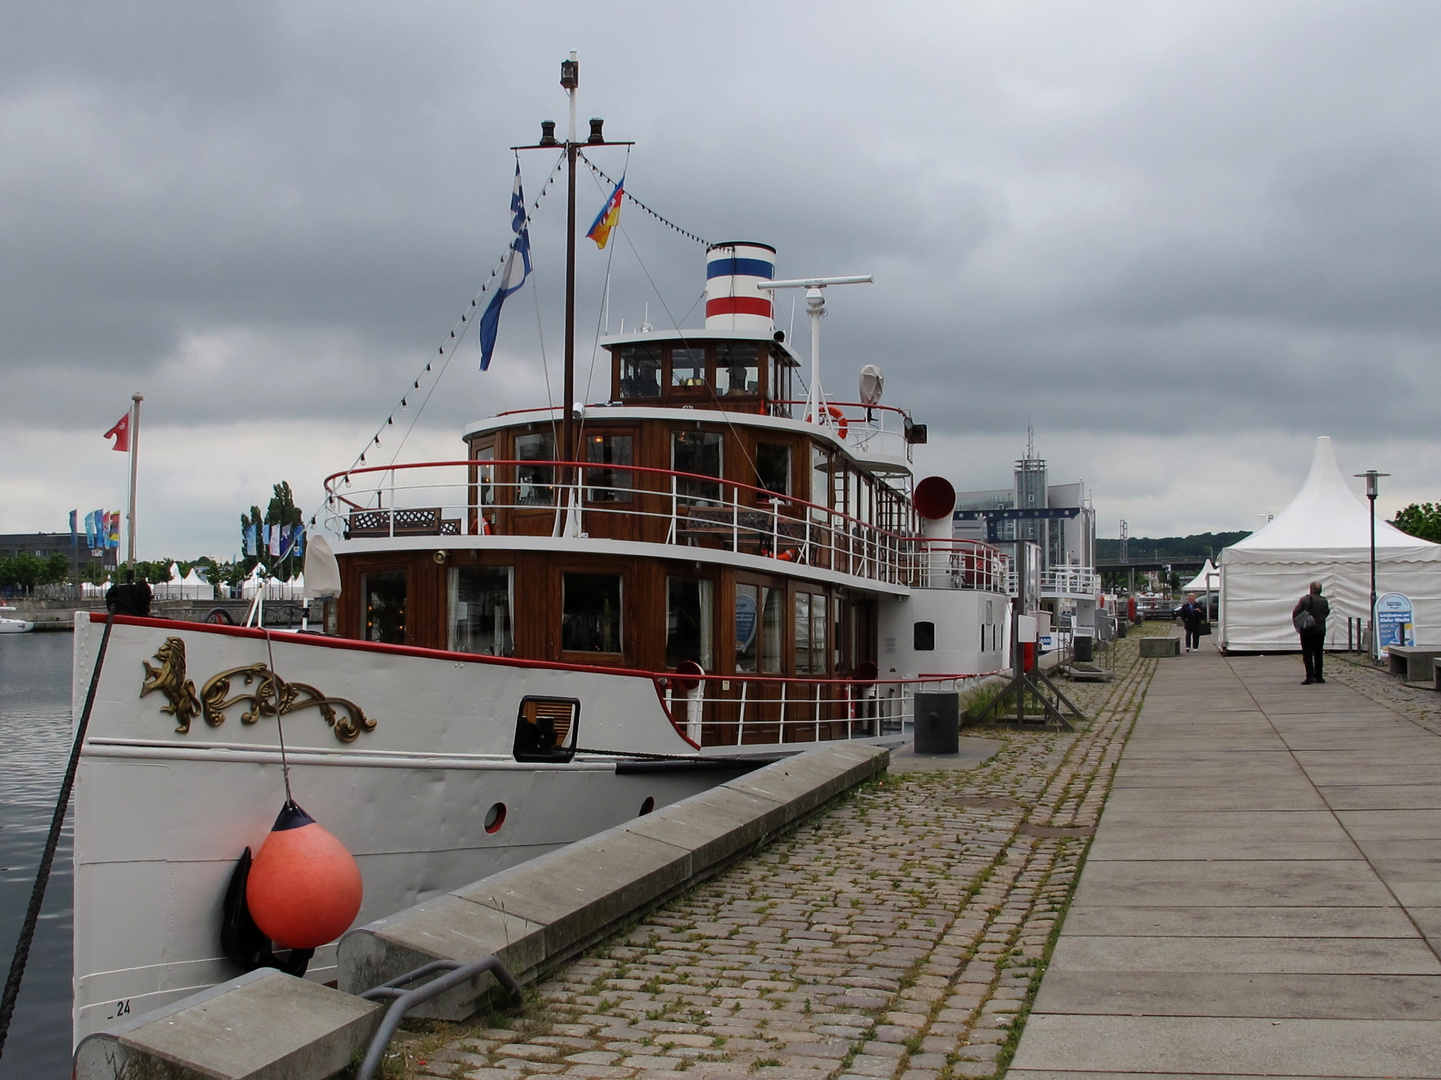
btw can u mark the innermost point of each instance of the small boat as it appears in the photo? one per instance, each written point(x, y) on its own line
point(589, 613)
point(13, 626)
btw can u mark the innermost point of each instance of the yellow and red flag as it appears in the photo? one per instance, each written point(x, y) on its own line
point(608, 217)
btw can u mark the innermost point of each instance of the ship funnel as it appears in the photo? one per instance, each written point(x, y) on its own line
point(732, 300)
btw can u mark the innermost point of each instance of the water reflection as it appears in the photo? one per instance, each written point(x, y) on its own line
point(34, 745)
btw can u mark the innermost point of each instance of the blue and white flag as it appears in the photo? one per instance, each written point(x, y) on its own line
point(512, 278)
point(249, 540)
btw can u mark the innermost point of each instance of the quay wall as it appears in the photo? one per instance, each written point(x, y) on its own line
point(534, 917)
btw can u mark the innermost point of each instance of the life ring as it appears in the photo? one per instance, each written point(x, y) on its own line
point(838, 418)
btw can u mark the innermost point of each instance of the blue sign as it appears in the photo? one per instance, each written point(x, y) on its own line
point(745, 621)
point(1395, 621)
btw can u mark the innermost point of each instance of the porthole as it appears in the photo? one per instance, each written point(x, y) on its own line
point(495, 818)
point(647, 806)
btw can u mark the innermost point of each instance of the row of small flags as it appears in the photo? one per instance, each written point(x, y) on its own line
point(278, 540)
point(517, 263)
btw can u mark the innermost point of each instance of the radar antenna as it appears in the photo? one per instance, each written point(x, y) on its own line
point(816, 307)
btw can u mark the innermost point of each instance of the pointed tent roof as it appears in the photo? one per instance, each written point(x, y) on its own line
point(1326, 514)
point(1208, 573)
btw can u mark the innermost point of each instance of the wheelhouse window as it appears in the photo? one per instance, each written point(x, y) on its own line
point(737, 368)
point(780, 380)
point(485, 475)
point(689, 617)
point(384, 595)
point(773, 467)
point(480, 602)
point(687, 366)
point(534, 484)
point(591, 613)
point(696, 452)
point(608, 485)
point(640, 372)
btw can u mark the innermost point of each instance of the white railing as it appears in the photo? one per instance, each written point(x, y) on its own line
point(637, 504)
point(1063, 581)
point(751, 710)
point(875, 429)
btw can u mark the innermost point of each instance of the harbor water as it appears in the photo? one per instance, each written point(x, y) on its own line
point(34, 745)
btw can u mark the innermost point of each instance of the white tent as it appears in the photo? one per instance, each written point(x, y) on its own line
point(1208, 580)
point(1324, 535)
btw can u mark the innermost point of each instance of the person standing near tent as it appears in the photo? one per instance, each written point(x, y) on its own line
point(1191, 618)
point(1309, 619)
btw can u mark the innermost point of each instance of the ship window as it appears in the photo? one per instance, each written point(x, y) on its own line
point(687, 367)
point(810, 633)
point(640, 371)
point(485, 476)
point(689, 618)
point(384, 593)
point(737, 369)
point(780, 380)
point(480, 605)
point(772, 628)
point(773, 467)
point(591, 613)
point(696, 452)
point(533, 482)
point(608, 485)
point(925, 637)
point(747, 626)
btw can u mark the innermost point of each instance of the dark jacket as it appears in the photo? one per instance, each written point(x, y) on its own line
point(1192, 615)
point(1319, 608)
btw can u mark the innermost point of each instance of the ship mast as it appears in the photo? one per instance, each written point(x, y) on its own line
point(570, 80)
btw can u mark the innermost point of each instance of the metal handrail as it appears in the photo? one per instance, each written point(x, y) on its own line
point(405, 1000)
point(693, 506)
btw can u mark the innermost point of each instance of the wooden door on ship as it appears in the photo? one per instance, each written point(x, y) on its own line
point(614, 504)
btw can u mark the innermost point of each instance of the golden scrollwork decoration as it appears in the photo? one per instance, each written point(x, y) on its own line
point(271, 696)
point(169, 678)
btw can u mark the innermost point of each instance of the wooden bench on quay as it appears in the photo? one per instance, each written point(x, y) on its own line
point(402, 521)
point(1414, 663)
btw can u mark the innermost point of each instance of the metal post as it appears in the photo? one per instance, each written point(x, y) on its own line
point(1373, 488)
point(136, 399)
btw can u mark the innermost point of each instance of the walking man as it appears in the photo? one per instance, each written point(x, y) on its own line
point(1309, 619)
point(1191, 618)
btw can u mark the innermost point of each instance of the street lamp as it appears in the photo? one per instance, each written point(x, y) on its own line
point(1372, 489)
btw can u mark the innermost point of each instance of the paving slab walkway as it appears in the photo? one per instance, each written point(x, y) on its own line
point(1263, 894)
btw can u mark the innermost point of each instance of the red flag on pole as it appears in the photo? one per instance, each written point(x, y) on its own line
point(121, 431)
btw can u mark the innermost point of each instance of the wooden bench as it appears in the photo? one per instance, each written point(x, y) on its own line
point(1414, 663)
point(754, 530)
point(405, 521)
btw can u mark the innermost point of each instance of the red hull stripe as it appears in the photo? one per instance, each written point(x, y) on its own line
point(738, 305)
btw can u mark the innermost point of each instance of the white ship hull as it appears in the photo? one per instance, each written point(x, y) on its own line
point(162, 815)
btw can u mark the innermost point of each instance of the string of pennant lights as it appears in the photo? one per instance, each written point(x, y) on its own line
point(631, 198)
point(446, 351)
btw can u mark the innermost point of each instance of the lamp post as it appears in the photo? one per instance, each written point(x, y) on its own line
point(1372, 489)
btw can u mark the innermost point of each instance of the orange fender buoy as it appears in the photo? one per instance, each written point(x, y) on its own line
point(304, 888)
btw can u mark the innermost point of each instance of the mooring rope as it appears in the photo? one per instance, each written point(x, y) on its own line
point(42, 877)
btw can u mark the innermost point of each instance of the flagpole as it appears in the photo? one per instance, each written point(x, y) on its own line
point(134, 462)
point(570, 79)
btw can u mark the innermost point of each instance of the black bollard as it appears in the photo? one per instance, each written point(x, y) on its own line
point(938, 722)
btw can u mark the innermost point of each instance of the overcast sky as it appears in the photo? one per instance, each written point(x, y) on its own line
point(1181, 240)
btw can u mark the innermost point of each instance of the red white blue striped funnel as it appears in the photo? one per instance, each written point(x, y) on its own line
point(732, 301)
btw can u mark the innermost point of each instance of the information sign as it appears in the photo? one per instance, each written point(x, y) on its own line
point(1394, 622)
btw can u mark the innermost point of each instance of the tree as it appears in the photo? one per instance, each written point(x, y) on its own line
point(1422, 520)
point(281, 512)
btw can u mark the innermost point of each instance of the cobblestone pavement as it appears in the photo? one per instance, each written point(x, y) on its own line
point(1417, 702)
point(899, 935)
